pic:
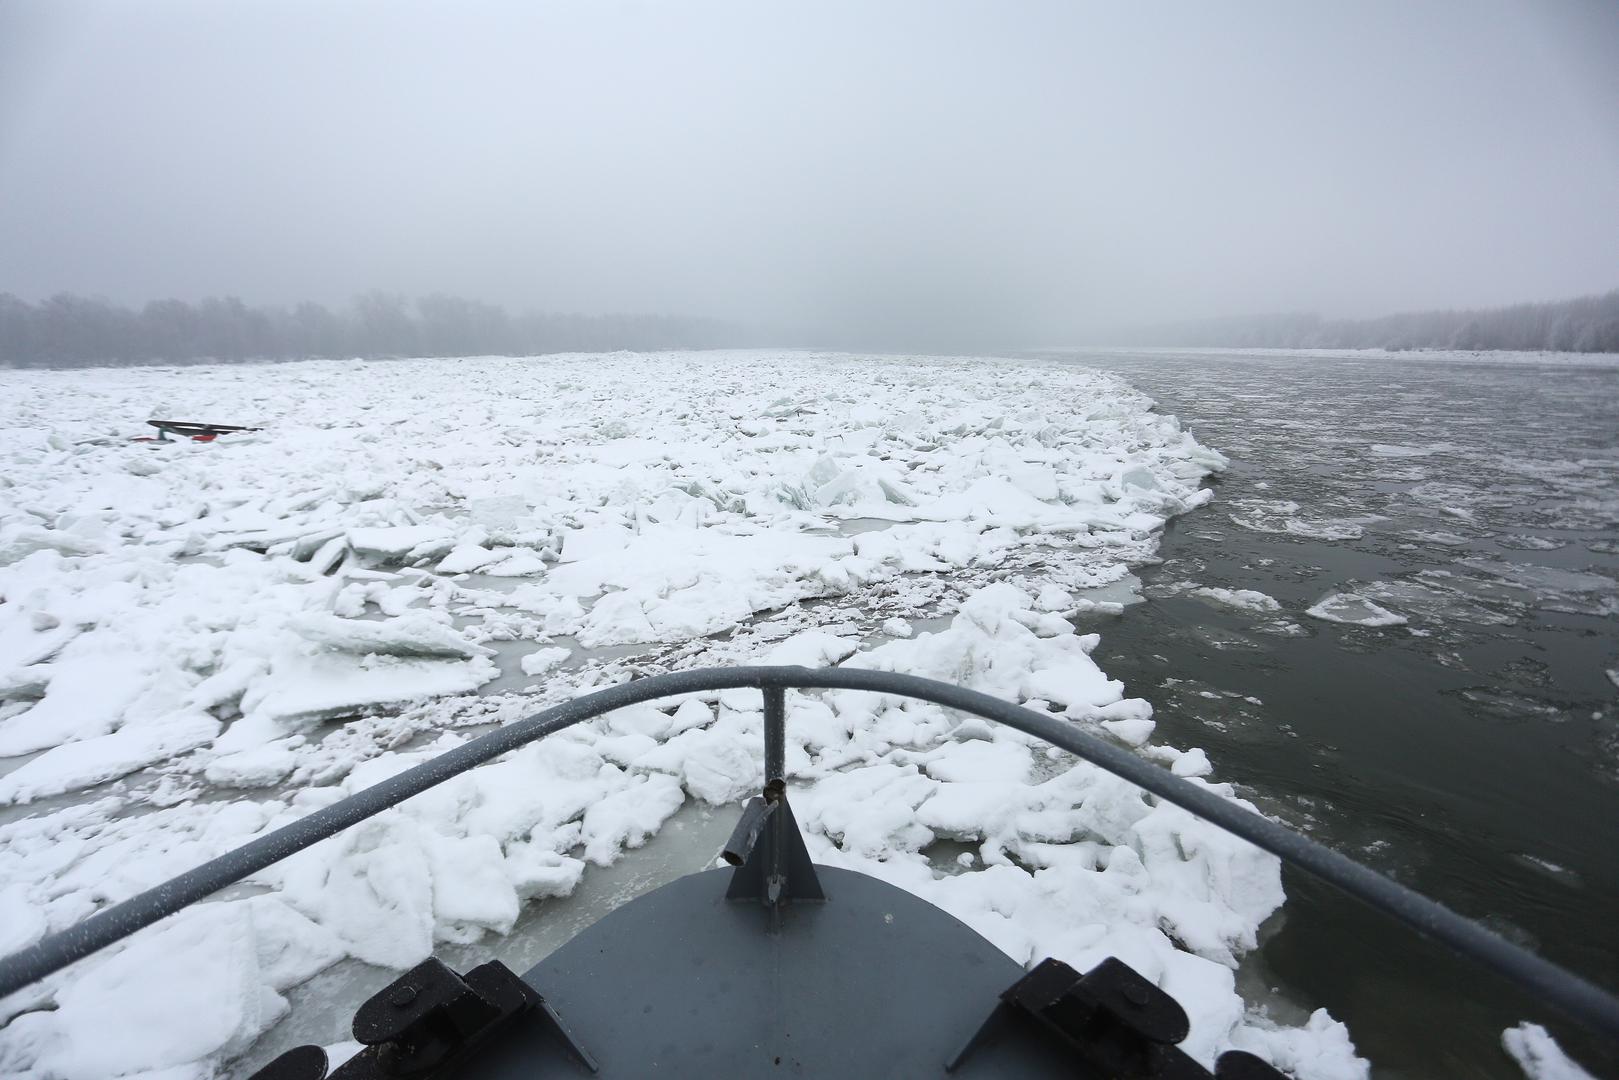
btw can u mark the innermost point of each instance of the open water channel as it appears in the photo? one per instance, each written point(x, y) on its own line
point(1472, 751)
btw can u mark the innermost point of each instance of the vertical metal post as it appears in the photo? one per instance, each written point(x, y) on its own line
point(775, 737)
point(776, 791)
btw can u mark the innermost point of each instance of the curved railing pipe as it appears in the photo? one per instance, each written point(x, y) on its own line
point(1576, 997)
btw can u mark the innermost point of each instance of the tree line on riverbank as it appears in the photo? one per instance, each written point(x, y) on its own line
point(1585, 324)
point(71, 331)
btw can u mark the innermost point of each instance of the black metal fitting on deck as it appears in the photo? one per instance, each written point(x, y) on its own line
point(427, 1022)
point(1115, 1021)
point(772, 864)
point(1558, 988)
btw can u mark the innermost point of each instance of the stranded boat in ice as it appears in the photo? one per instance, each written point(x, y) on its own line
point(188, 429)
point(778, 965)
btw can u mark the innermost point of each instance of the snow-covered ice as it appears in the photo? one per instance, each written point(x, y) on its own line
point(1353, 609)
point(295, 614)
point(1241, 599)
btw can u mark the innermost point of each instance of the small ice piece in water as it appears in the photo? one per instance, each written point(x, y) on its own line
point(1538, 1054)
point(1242, 599)
point(260, 767)
point(1123, 592)
point(1132, 731)
point(813, 649)
point(1192, 763)
point(302, 690)
point(465, 558)
point(83, 764)
point(415, 634)
point(1529, 542)
point(899, 628)
point(543, 660)
point(1052, 598)
point(1353, 610)
point(520, 562)
point(1436, 536)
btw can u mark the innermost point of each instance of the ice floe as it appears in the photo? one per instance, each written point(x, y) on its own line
point(1354, 610)
point(1241, 599)
point(1283, 516)
point(1538, 1054)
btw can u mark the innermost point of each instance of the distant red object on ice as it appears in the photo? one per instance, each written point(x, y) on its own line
point(190, 430)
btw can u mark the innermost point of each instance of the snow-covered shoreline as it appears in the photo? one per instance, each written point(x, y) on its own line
point(190, 616)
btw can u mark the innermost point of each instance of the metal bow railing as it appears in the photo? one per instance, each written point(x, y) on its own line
point(1576, 997)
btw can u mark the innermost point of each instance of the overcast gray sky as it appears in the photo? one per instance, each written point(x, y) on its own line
point(1022, 170)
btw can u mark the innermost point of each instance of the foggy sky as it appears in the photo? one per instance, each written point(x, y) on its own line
point(1019, 172)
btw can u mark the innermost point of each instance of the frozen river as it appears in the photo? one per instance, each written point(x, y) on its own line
point(1470, 751)
point(1389, 621)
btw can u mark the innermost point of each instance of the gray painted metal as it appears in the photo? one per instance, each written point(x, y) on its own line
point(777, 869)
point(775, 734)
point(682, 983)
point(1577, 998)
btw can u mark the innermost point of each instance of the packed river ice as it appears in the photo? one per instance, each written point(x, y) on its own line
point(200, 642)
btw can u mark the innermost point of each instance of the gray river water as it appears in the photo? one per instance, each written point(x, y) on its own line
point(1472, 752)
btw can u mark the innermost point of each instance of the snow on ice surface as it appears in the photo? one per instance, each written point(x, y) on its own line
point(1354, 610)
point(1241, 599)
point(281, 611)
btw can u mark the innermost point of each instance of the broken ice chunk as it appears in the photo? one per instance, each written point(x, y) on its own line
point(415, 634)
point(465, 558)
point(1354, 610)
point(304, 689)
point(1538, 1054)
point(76, 765)
point(812, 648)
point(1242, 599)
point(1133, 732)
point(1053, 598)
point(542, 660)
point(264, 766)
point(1192, 763)
point(86, 699)
point(396, 543)
point(520, 562)
point(189, 989)
point(537, 871)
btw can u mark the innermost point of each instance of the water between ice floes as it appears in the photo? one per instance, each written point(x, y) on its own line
point(1471, 748)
